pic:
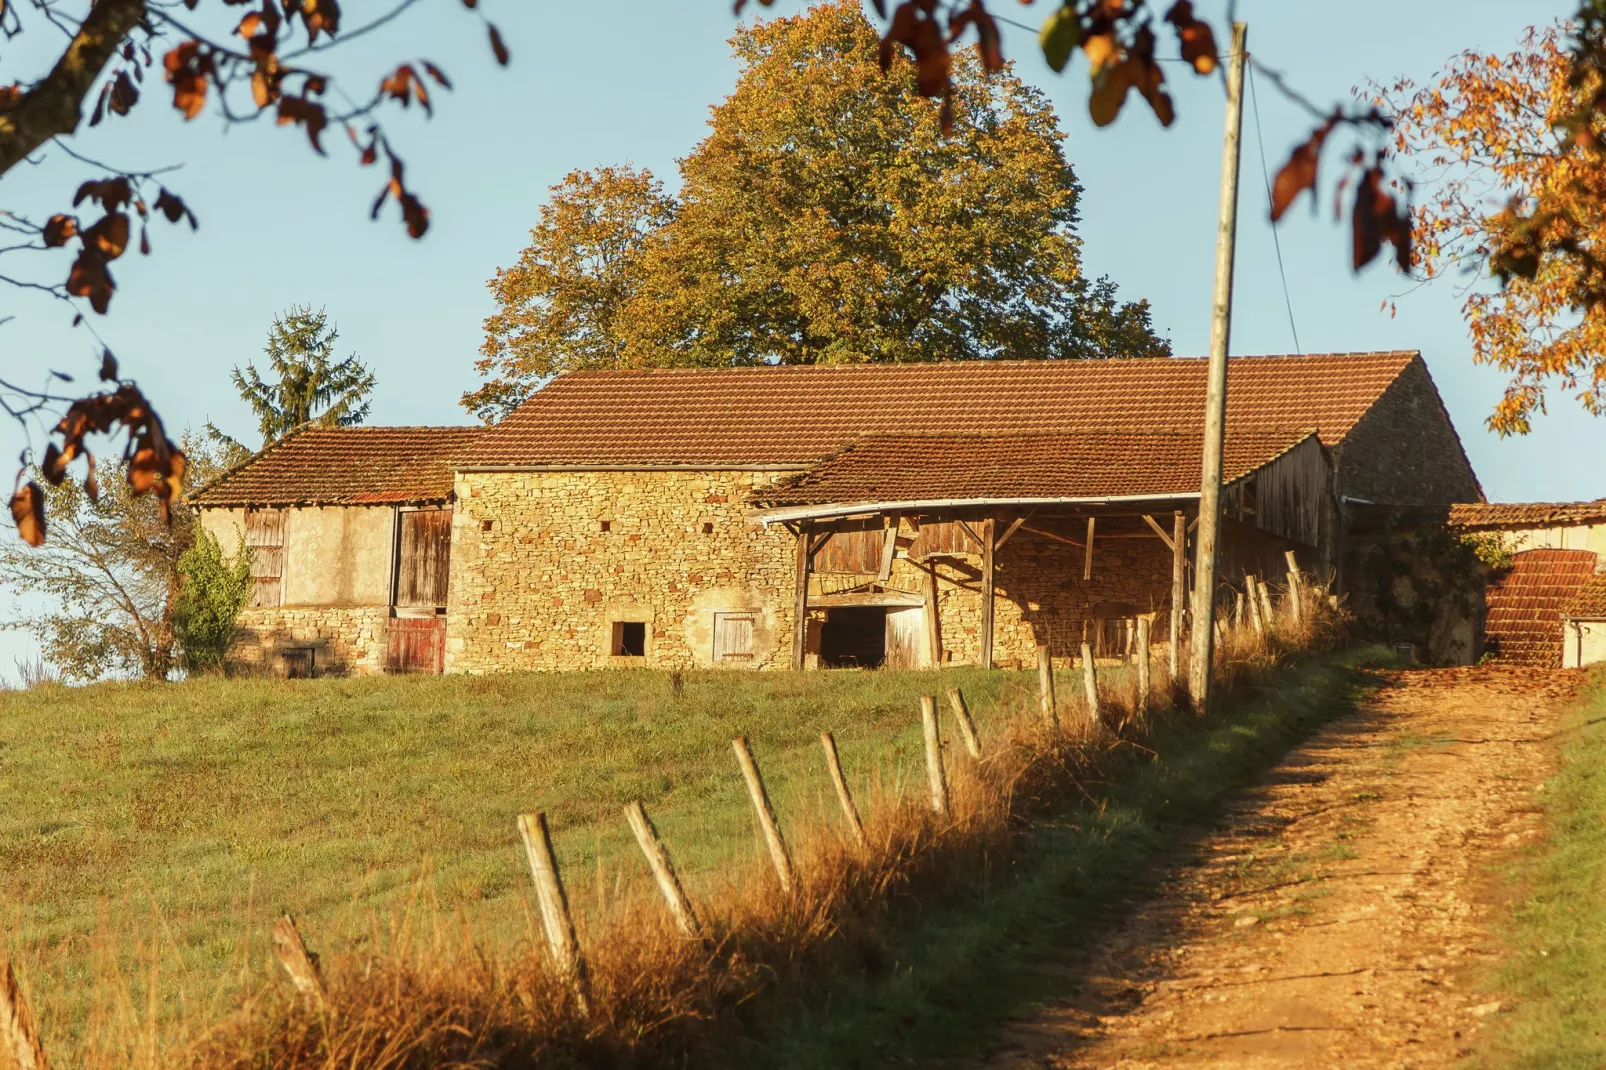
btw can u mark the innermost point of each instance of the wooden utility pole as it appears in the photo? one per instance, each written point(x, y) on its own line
point(1215, 421)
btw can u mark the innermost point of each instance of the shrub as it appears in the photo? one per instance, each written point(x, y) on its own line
point(212, 591)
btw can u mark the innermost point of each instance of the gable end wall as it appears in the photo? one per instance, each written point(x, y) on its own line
point(1405, 451)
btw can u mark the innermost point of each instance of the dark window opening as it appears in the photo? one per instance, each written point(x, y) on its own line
point(607, 525)
point(298, 664)
point(629, 639)
point(485, 525)
point(708, 529)
point(854, 637)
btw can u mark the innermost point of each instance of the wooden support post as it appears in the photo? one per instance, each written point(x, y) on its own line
point(934, 770)
point(967, 727)
point(1295, 580)
point(663, 870)
point(933, 627)
point(889, 546)
point(1179, 586)
point(1090, 685)
point(299, 963)
point(1265, 604)
point(987, 593)
point(1087, 551)
point(1237, 609)
point(779, 856)
point(1143, 667)
point(1045, 686)
point(1253, 598)
point(556, 920)
point(17, 1024)
point(850, 812)
point(800, 600)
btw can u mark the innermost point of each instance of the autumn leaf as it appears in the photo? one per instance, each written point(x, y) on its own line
point(28, 513)
point(187, 70)
point(1061, 33)
point(173, 207)
point(1109, 92)
point(1194, 34)
point(58, 229)
point(108, 366)
point(320, 16)
point(309, 113)
point(498, 48)
point(109, 235)
point(124, 95)
point(90, 278)
point(110, 192)
point(1299, 173)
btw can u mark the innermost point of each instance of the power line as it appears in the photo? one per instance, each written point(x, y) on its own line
point(1265, 175)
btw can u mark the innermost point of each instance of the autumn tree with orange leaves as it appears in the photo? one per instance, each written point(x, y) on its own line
point(242, 59)
point(1489, 139)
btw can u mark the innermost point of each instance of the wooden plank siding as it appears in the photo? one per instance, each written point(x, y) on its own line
point(424, 561)
point(416, 644)
point(1287, 497)
point(264, 534)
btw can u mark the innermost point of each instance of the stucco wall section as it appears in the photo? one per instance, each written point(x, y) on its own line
point(333, 555)
point(1570, 537)
point(1583, 643)
point(536, 582)
point(345, 640)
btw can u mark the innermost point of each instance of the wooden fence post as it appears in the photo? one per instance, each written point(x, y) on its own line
point(967, 727)
point(1237, 609)
point(779, 856)
point(299, 963)
point(16, 1022)
point(663, 870)
point(934, 771)
point(1045, 686)
point(1090, 685)
point(843, 796)
point(1266, 609)
point(1143, 667)
point(1295, 580)
point(555, 916)
point(1253, 598)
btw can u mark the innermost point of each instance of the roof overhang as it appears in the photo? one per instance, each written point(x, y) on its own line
point(837, 510)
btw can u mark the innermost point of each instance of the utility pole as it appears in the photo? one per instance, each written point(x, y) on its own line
point(1215, 421)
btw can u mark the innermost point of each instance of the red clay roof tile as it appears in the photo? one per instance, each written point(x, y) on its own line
point(345, 466)
point(795, 415)
point(1523, 623)
point(1590, 601)
point(1526, 514)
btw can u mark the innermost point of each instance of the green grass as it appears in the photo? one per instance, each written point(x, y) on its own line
point(951, 975)
point(1555, 968)
point(167, 826)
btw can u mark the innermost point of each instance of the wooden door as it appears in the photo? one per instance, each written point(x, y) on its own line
point(423, 561)
point(416, 644)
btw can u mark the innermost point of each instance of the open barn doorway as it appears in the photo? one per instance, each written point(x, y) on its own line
point(854, 637)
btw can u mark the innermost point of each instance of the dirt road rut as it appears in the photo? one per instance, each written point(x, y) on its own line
point(1338, 912)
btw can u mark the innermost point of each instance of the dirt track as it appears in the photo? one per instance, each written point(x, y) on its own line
point(1337, 913)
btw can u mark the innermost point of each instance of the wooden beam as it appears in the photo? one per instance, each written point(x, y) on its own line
point(933, 628)
point(1087, 556)
point(1051, 535)
point(800, 604)
point(1009, 531)
point(1158, 530)
point(889, 547)
point(1179, 583)
point(986, 593)
point(975, 537)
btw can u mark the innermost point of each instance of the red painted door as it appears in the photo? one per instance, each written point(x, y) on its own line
point(416, 644)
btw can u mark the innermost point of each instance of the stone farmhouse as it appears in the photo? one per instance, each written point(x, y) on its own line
point(802, 517)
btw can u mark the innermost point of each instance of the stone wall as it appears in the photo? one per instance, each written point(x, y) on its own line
point(344, 640)
point(336, 555)
point(545, 563)
point(1405, 450)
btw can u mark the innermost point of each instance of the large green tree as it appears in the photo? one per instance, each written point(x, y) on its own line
point(826, 218)
point(304, 383)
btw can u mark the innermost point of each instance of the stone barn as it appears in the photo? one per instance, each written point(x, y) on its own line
point(881, 515)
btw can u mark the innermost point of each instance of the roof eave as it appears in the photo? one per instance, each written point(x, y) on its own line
point(836, 510)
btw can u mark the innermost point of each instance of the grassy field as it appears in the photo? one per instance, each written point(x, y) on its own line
point(1555, 970)
point(158, 831)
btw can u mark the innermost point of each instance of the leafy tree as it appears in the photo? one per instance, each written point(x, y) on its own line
point(305, 384)
point(826, 218)
point(109, 576)
point(213, 589)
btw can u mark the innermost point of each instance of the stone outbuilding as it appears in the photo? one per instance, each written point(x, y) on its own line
point(899, 515)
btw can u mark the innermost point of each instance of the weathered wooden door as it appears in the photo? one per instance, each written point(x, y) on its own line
point(416, 644)
point(423, 561)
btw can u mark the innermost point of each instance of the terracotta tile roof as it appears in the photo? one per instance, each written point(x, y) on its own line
point(1590, 601)
point(346, 466)
point(1527, 514)
point(1080, 464)
point(1524, 606)
point(798, 414)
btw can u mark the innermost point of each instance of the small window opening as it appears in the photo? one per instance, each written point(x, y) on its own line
point(298, 663)
point(629, 639)
point(485, 525)
point(733, 637)
point(607, 525)
point(708, 529)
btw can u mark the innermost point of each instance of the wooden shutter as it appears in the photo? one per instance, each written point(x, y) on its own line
point(855, 547)
point(424, 560)
point(733, 636)
point(264, 533)
point(415, 644)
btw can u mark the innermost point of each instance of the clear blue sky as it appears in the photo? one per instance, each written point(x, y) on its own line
point(595, 82)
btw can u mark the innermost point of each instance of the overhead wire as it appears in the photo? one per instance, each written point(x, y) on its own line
point(1265, 175)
